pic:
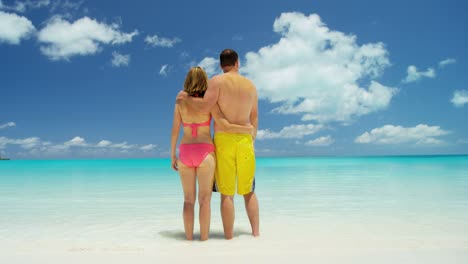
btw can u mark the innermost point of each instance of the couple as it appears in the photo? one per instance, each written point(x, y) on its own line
point(231, 100)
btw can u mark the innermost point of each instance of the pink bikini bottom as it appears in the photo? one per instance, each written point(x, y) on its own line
point(192, 155)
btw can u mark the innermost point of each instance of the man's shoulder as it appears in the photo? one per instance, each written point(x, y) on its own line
point(217, 79)
point(244, 78)
point(219, 76)
point(248, 82)
point(226, 80)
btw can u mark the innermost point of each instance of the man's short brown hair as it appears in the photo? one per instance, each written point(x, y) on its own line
point(228, 57)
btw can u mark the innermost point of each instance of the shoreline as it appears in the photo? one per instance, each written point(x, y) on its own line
point(261, 157)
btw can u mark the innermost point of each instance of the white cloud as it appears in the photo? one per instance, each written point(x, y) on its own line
point(27, 143)
point(60, 148)
point(156, 41)
point(77, 142)
point(23, 6)
point(109, 144)
point(3, 142)
point(292, 131)
point(72, 5)
point(120, 59)
point(148, 147)
point(318, 72)
point(446, 62)
point(389, 134)
point(430, 141)
point(62, 39)
point(104, 143)
point(460, 98)
point(65, 5)
point(321, 141)
point(123, 145)
point(14, 28)
point(261, 150)
point(164, 69)
point(210, 65)
point(414, 75)
point(9, 124)
point(75, 146)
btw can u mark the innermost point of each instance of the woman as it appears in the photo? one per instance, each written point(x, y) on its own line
point(196, 152)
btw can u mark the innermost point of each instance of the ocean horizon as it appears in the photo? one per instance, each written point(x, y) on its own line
point(412, 208)
point(258, 157)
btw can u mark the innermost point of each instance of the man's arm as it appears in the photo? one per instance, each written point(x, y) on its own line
point(254, 115)
point(209, 99)
point(221, 120)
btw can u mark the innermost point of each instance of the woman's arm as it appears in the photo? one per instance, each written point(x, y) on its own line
point(221, 120)
point(175, 136)
point(205, 103)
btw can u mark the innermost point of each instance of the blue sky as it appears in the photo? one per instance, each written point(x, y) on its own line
point(97, 79)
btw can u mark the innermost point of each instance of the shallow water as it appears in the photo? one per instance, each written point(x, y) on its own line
point(372, 204)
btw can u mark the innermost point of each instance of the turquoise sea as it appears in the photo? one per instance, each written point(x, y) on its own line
point(378, 206)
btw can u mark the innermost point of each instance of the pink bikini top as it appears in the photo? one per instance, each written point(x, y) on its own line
point(195, 126)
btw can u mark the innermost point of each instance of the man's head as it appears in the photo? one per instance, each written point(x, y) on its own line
point(228, 59)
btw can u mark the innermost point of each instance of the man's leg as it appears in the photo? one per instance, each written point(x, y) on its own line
point(227, 214)
point(226, 179)
point(251, 206)
point(246, 181)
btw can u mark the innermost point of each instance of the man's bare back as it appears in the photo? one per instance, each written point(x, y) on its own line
point(237, 99)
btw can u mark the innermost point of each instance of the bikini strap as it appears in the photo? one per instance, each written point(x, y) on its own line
point(194, 126)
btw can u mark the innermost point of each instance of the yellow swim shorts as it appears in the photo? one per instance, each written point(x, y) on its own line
point(235, 156)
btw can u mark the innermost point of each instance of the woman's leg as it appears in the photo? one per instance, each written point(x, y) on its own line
point(205, 174)
point(188, 179)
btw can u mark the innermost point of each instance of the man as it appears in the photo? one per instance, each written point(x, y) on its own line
point(237, 99)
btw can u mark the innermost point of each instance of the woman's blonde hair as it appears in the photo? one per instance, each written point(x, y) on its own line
point(196, 82)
